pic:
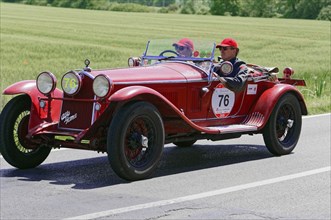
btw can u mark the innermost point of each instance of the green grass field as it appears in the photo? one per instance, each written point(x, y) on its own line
point(34, 39)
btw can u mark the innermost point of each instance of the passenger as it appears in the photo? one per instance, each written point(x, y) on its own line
point(236, 79)
point(184, 47)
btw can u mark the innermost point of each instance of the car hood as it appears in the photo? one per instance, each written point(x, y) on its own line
point(163, 71)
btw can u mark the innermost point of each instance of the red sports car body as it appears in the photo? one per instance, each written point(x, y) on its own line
point(130, 113)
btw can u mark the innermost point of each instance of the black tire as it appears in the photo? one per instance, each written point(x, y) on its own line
point(14, 146)
point(185, 143)
point(282, 131)
point(133, 124)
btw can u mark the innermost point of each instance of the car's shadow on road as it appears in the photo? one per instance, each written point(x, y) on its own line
point(96, 172)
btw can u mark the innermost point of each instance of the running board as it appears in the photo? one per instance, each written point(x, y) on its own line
point(225, 129)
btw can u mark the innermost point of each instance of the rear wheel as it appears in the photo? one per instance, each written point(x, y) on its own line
point(15, 148)
point(282, 131)
point(135, 141)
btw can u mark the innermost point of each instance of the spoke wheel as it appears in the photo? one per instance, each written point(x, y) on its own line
point(135, 141)
point(282, 131)
point(16, 149)
point(137, 151)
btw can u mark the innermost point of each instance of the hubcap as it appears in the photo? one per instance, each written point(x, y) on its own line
point(20, 131)
point(139, 140)
point(285, 123)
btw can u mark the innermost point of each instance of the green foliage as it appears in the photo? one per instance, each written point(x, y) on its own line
point(222, 7)
point(35, 39)
point(194, 7)
point(36, 2)
point(325, 13)
point(154, 3)
point(173, 8)
point(257, 8)
point(320, 86)
point(304, 9)
point(130, 7)
point(318, 91)
point(188, 7)
point(307, 9)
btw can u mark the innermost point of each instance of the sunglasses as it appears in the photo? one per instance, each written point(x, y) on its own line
point(179, 48)
point(226, 48)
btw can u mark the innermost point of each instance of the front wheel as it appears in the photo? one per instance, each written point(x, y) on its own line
point(15, 148)
point(282, 131)
point(135, 141)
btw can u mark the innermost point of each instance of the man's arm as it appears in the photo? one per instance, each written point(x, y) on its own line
point(237, 82)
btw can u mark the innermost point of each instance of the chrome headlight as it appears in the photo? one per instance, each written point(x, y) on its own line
point(71, 83)
point(133, 61)
point(46, 82)
point(102, 86)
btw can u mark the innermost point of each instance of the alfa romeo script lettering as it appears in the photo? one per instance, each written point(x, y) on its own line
point(66, 117)
point(222, 101)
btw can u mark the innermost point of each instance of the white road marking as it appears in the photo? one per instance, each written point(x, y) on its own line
point(315, 116)
point(201, 195)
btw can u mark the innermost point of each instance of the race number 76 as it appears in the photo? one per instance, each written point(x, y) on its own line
point(224, 99)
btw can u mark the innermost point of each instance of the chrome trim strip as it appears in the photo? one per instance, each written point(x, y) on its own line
point(93, 110)
point(161, 82)
point(212, 119)
point(69, 129)
point(166, 58)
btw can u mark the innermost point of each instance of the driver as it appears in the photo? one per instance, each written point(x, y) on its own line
point(184, 47)
point(236, 79)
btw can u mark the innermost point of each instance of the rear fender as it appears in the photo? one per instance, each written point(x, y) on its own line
point(269, 99)
point(38, 115)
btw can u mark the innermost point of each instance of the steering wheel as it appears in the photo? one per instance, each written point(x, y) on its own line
point(169, 51)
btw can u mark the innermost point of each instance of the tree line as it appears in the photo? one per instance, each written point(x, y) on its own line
point(300, 9)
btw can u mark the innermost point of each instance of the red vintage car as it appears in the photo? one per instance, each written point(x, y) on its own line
point(130, 113)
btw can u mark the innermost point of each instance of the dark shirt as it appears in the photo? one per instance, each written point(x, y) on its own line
point(235, 80)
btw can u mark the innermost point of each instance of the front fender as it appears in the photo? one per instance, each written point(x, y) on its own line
point(29, 87)
point(26, 86)
point(37, 115)
point(128, 93)
point(270, 97)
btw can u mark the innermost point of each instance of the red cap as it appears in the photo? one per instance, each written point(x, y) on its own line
point(185, 42)
point(227, 42)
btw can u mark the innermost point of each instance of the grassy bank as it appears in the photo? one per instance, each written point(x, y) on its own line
point(34, 39)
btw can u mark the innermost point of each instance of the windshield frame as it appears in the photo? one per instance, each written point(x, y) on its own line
point(146, 58)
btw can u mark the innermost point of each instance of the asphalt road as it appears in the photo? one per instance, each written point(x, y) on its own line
point(233, 179)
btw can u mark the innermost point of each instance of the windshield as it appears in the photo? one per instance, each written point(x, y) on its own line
point(194, 52)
